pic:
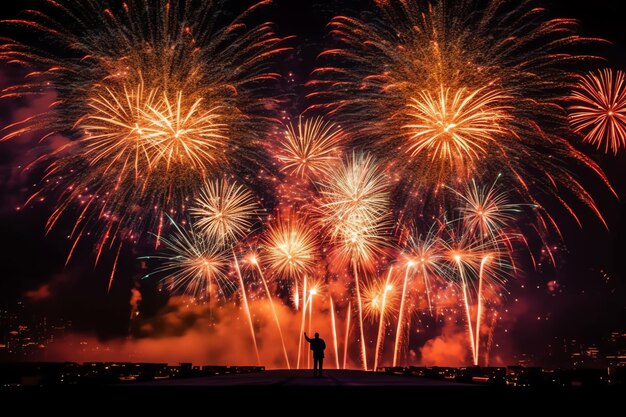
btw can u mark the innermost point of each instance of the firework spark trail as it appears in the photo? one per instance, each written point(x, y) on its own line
point(479, 306)
point(466, 303)
point(255, 261)
point(492, 328)
point(247, 308)
point(304, 305)
point(360, 314)
point(600, 110)
point(381, 321)
point(117, 255)
point(396, 349)
point(346, 335)
point(312, 292)
point(427, 287)
point(332, 315)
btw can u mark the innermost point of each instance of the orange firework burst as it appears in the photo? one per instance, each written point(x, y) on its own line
point(148, 132)
point(379, 294)
point(360, 242)
point(291, 247)
point(155, 96)
point(310, 146)
point(600, 110)
point(450, 90)
point(185, 132)
point(115, 127)
point(224, 211)
point(458, 127)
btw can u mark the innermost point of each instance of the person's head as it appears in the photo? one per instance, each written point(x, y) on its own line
point(317, 335)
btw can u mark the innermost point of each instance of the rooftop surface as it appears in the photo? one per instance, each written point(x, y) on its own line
point(306, 378)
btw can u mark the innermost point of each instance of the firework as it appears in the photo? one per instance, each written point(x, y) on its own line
point(155, 96)
point(600, 110)
point(384, 310)
point(422, 255)
point(354, 191)
point(451, 90)
point(148, 131)
point(360, 243)
point(334, 327)
point(224, 210)
point(474, 262)
point(374, 293)
point(346, 335)
point(485, 210)
point(304, 305)
point(224, 213)
point(291, 247)
point(191, 262)
point(307, 301)
point(246, 307)
point(353, 208)
point(454, 129)
point(310, 146)
point(183, 132)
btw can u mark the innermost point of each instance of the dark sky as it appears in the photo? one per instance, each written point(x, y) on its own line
point(589, 302)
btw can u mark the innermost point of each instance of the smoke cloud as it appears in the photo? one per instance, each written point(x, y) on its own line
point(448, 349)
point(203, 334)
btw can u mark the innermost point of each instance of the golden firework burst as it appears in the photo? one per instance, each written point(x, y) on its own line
point(310, 146)
point(455, 127)
point(224, 210)
point(291, 247)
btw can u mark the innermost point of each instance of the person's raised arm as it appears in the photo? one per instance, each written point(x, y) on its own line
point(306, 337)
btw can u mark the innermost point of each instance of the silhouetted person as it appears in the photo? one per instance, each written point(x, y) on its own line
point(317, 346)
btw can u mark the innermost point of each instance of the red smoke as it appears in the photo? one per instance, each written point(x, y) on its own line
point(449, 349)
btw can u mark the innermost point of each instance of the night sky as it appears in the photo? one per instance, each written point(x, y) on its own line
point(588, 302)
